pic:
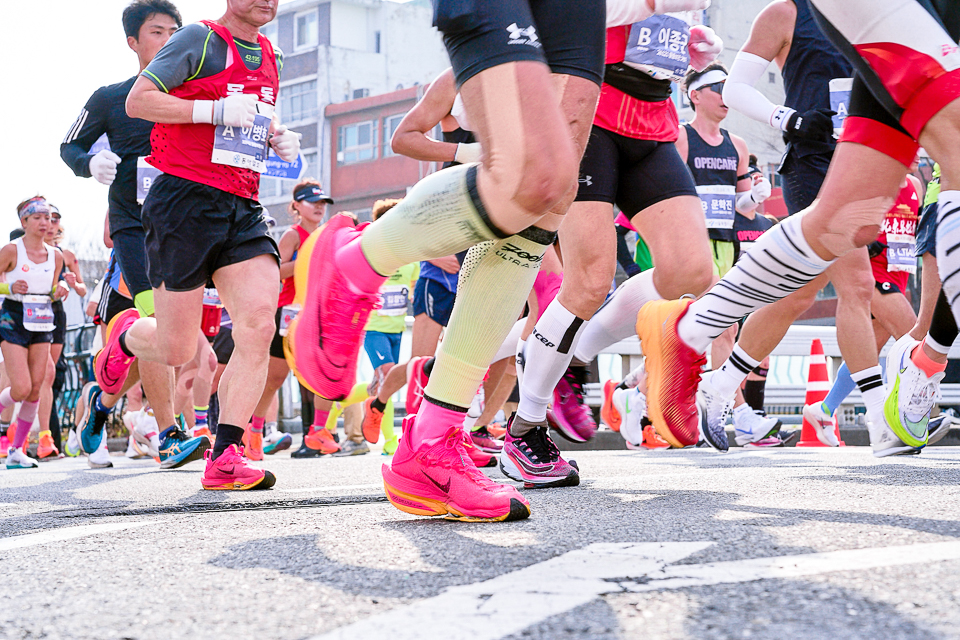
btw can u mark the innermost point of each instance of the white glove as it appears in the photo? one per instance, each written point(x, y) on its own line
point(286, 143)
point(704, 47)
point(103, 166)
point(468, 152)
point(236, 110)
point(670, 6)
point(760, 190)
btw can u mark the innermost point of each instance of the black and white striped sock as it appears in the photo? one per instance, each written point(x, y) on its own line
point(778, 264)
point(948, 247)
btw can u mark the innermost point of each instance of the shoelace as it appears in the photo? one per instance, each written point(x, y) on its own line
point(456, 440)
point(535, 441)
point(923, 397)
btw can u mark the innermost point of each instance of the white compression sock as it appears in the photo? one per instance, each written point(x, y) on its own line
point(871, 387)
point(547, 354)
point(728, 378)
point(948, 237)
point(617, 318)
point(778, 264)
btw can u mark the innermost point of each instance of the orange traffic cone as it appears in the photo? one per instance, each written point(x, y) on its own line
point(818, 385)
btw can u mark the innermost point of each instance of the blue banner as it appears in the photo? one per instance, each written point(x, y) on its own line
point(277, 168)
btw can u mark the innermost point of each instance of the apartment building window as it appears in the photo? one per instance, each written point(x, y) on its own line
point(357, 142)
point(298, 101)
point(270, 32)
point(390, 124)
point(306, 31)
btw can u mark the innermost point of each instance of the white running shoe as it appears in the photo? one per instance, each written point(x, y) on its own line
point(632, 405)
point(475, 410)
point(752, 428)
point(884, 441)
point(100, 459)
point(822, 422)
point(911, 394)
point(939, 427)
point(17, 459)
point(73, 444)
point(713, 409)
point(147, 434)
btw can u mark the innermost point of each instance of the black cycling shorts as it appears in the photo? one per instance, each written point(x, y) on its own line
point(630, 173)
point(192, 230)
point(59, 322)
point(480, 34)
point(129, 248)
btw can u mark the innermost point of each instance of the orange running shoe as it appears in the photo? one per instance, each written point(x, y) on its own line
point(652, 439)
point(46, 449)
point(497, 430)
point(321, 440)
point(608, 412)
point(202, 431)
point(673, 372)
point(372, 418)
point(253, 447)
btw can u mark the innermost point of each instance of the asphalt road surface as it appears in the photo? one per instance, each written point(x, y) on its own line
point(684, 544)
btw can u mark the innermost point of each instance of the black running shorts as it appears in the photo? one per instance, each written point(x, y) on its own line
point(480, 34)
point(112, 303)
point(192, 230)
point(59, 322)
point(632, 174)
point(129, 248)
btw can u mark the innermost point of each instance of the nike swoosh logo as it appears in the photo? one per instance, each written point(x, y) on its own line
point(903, 367)
point(445, 487)
point(379, 355)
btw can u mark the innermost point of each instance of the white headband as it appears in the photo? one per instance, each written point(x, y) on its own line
point(710, 77)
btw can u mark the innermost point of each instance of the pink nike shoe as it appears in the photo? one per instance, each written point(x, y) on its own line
point(573, 419)
point(232, 472)
point(416, 382)
point(439, 478)
point(111, 365)
point(326, 335)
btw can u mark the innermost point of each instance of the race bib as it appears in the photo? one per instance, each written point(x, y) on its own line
point(211, 298)
point(38, 313)
point(900, 252)
point(245, 148)
point(287, 314)
point(658, 47)
point(840, 102)
point(146, 174)
point(393, 298)
point(719, 204)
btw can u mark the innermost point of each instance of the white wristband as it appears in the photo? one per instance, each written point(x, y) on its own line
point(746, 203)
point(468, 153)
point(780, 117)
point(203, 111)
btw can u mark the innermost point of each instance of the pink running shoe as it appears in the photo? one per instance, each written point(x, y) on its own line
point(232, 472)
point(326, 335)
point(483, 440)
point(416, 383)
point(534, 460)
point(573, 419)
point(111, 365)
point(439, 478)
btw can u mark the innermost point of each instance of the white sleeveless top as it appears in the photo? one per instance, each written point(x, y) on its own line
point(460, 114)
point(39, 277)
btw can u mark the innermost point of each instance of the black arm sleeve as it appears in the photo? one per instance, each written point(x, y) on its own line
point(86, 130)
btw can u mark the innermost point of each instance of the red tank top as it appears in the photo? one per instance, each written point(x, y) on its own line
point(628, 116)
point(184, 150)
point(289, 290)
point(899, 234)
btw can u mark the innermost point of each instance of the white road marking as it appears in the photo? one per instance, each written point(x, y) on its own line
point(342, 487)
point(514, 601)
point(66, 533)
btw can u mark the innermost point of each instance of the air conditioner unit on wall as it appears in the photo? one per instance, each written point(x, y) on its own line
point(360, 93)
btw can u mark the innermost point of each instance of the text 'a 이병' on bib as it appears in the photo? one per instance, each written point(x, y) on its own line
point(393, 299)
point(840, 102)
point(146, 175)
point(245, 148)
point(658, 47)
point(38, 313)
point(287, 314)
point(719, 202)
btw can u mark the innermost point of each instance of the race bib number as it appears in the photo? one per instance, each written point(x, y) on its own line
point(146, 174)
point(719, 204)
point(37, 313)
point(393, 300)
point(287, 314)
point(658, 47)
point(211, 298)
point(245, 148)
point(901, 249)
point(840, 102)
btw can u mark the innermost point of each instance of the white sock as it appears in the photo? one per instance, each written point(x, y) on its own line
point(741, 411)
point(777, 264)
point(871, 387)
point(547, 354)
point(617, 318)
point(948, 237)
point(728, 378)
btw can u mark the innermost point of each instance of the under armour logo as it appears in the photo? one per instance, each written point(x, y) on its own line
point(587, 180)
point(527, 35)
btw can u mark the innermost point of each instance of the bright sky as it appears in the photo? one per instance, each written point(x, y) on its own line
point(66, 50)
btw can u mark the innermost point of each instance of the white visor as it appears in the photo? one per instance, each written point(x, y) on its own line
point(710, 77)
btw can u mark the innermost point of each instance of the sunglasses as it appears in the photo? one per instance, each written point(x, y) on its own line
point(716, 87)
